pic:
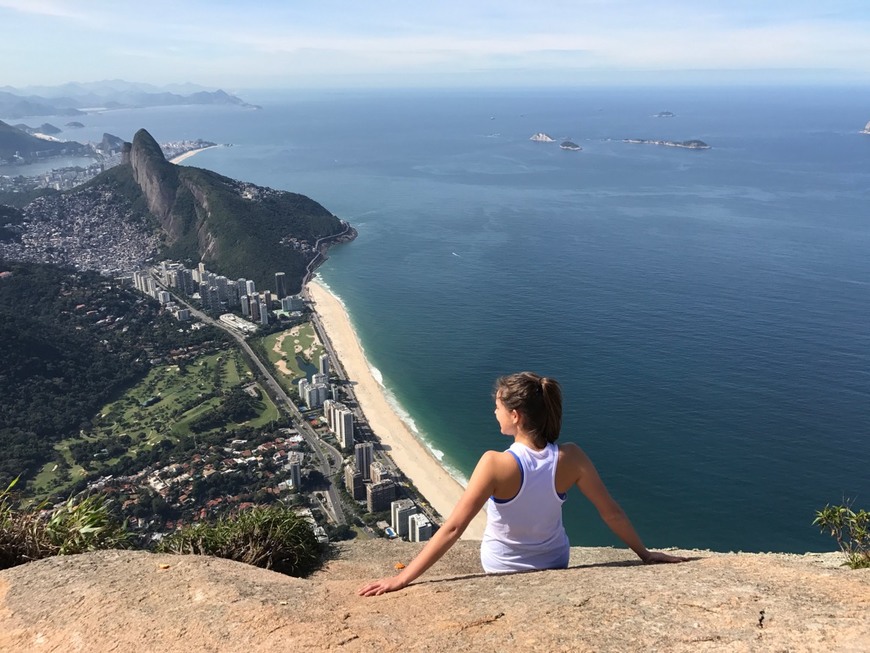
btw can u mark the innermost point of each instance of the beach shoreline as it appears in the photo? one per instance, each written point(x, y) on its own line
point(413, 457)
point(190, 153)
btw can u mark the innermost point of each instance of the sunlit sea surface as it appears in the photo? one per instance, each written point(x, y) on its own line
point(707, 312)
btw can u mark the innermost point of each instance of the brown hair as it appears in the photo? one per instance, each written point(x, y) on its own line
point(538, 399)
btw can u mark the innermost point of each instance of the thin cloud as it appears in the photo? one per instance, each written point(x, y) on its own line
point(42, 8)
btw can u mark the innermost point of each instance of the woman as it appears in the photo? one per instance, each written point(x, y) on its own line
point(523, 489)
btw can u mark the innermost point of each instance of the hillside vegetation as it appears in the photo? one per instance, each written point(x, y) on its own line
point(70, 342)
point(238, 229)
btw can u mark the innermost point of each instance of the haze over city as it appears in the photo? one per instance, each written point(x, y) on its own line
point(394, 44)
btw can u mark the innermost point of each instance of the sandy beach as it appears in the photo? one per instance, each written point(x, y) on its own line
point(415, 460)
point(187, 155)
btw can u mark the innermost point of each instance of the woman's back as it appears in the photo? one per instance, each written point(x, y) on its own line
point(525, 531)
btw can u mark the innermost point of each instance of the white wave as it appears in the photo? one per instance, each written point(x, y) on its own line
point(376, 373)
point(408, 420)
point(394, 403)
point(322, 282)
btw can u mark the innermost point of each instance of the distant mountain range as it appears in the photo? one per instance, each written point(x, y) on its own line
point(74, 99)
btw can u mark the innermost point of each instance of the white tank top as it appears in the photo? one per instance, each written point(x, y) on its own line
point(526, 532)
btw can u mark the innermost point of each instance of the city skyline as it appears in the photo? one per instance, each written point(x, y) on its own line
point(275, 45)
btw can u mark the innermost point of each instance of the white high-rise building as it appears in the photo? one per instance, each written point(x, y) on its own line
point(264, 313)
point(222, 284)
point(363, 456)
point(319, 378)
point(324, 364)
point(399, 512)
point(250, 289)
point(312, 395)
point(339, 418)
point(232, 293)
point(344, 427)
point(204, 295)
point(329, 407)
point(246, 305)
point(379, 472)
point(316, 395)
point(419, 527)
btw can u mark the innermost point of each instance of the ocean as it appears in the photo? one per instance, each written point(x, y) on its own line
point(706, 311)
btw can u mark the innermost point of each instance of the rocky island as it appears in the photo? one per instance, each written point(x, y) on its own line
point(541, 137)
point(866, 129)
point(45, 128)
point(693, 144)
point(570, 145)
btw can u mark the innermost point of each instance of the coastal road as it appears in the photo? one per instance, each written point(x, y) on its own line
point(277, 393)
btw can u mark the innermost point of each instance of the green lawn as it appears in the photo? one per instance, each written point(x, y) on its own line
point(301, 341)
point(160, 407)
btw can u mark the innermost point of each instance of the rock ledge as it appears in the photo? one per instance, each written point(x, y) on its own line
point(605, 601)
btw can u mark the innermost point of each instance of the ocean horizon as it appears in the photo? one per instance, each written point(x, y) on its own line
point(705, 311)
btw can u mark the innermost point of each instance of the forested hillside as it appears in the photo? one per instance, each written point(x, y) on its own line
point(69, 342)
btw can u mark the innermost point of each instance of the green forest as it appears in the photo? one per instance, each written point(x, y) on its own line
point(70, 343)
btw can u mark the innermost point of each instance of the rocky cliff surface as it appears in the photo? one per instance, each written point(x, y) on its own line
point(239, 229)
point(605, 601)
point(156, 177)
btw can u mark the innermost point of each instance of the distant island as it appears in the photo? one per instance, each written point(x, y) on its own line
point(570, 145)
point(76, 99)
point(541, 137)
point(75, 124)
point(19, 146)
point(46, 129)
point(665, 114)
point(689, 145)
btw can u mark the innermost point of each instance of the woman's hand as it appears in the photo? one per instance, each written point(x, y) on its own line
point(382, 586)
point(657, 557)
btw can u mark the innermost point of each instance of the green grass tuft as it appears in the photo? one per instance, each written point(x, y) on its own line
point(851, 530)
point(273, 538)
point(75, 526)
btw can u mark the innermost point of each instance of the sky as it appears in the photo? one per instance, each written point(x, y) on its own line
point(385, 43)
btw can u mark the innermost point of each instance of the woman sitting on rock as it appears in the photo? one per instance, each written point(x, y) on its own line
point(523, 489)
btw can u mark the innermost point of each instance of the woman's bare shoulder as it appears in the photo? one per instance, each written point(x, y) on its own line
point(571, 450)
point(496, 459)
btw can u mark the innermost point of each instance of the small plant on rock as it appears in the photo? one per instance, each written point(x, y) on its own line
point(274, 538)
point(851, 530)
point(75, 526)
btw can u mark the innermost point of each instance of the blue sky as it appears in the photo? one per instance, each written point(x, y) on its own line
point(326, 43)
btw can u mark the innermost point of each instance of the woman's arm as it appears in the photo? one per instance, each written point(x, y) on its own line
point(611, 512)
point(480, 487)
